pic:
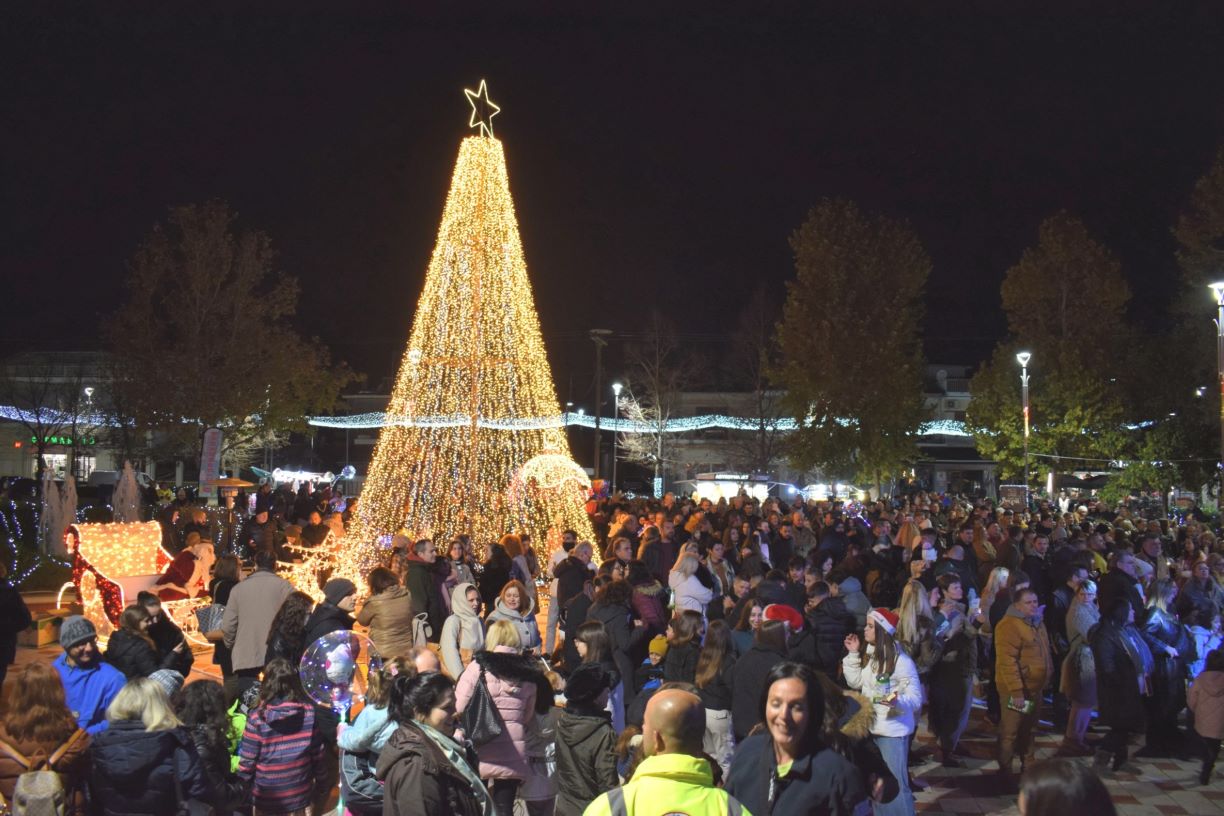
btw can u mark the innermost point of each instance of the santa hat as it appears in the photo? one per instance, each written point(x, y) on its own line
point(786, 613)
point(884, 619)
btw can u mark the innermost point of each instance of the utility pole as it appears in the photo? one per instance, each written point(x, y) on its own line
point(1023, 359)
point(599, 338)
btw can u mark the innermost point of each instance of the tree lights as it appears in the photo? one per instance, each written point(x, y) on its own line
point(463, 418)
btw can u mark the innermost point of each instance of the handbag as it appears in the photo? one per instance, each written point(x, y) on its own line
point(209, 617)
point(361, 792)
point(480, 719)
point(421, 630)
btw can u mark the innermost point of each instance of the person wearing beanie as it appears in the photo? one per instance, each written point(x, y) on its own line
point(879, 668)
point(90, 684)
point(649, 675)
point(333, 615)
point(586, 743)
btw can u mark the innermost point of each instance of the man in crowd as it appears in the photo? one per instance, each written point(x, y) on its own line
point(675, 776)
point(419, 581)
point(253, 603)
point(1023, 668)
point(89, 683)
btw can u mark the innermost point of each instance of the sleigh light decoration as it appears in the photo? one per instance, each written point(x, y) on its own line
point(113, 563)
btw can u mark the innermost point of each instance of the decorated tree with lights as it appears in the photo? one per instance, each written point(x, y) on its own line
point(473, 440)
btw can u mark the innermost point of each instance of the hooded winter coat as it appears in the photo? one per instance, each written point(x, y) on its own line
point(1024, 664)
point(524, 622)
point(228, 791)
point(281, 756)
point(586, 758)
point(519, 691)
point(649, 607)
point(420, 781)
point(1206, 700)
point(895, 720)
point(133, 656)
point(134, 770)
point(389, 616)
point(850, 591)
point(423, 591)
point(829, 623)
point(688, 592)
point(463, 633)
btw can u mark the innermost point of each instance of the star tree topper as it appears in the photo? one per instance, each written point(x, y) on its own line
point(483, 109)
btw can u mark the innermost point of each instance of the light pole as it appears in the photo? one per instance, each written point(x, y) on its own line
point(616, 389)
point(1217, 289)
point(598, 337)
point(1023, 359)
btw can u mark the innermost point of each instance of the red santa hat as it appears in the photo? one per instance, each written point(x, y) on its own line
point(785, 613)
point(884, 619)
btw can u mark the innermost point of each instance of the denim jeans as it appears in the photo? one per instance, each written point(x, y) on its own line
point(895, 752)
point(550, 628)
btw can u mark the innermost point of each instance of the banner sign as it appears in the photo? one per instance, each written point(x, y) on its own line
point(210, 463)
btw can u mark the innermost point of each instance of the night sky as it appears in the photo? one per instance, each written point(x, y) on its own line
point(656, 161)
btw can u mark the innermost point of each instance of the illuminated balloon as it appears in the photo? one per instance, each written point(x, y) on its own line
point(335, 668)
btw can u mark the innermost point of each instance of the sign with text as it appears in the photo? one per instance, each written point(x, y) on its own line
point(210, 463)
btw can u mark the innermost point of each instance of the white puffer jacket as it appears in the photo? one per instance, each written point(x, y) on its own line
point(896, 720)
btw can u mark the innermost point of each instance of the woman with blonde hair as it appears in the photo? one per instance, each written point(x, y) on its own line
point(687, 590)
point(144, 758)
point(916, 626)
point(519, 691)
point(516, 605)
point(1170, 647)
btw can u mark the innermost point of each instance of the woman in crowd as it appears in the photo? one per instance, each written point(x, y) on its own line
point(745, 629)
point(687, 590)
point(1123, 670)
point(461, 568)
point(281, 757)
point(1078, 682)
point(517, 606)
point(144, 759)
point(627, 640)
point(952, 675)
point(227, 572)
point(586, 759)
point(374, 725)
point(425, 770)
point(520, 564)
point(1206, 700)
point(388, 613)
point(1200, 593)
point(519, 690)
point(748, 678)
point(787, 770)
point(714, 678)
point(131, 650)
point(916, 627)
point(684, 634)
point(593, 645)
point(38, 725)
point(494, 576)
point(879, 668)
point(463, 633)
point(1063, 786)
point(287, 635)
point(1170, 646)
point(648, 598)
point(201, 708)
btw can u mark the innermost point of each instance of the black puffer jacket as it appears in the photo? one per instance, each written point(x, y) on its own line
point(133, 770)
point(324, 620)
point(623, 636)
point(166, 635)
point(586, 759)
point(228, 791)
point(717, 694)
point(748, 683)
point(134, 657)
point(680, 664)
point(829, 624)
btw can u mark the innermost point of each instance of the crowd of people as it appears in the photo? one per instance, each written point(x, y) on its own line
point(697, 657)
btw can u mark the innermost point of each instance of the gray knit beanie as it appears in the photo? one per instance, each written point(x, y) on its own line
point(75, 630)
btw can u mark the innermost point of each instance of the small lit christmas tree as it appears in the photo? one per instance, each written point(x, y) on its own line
point(473, 440)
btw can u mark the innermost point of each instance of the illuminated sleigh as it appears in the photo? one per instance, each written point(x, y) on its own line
point(113, 563)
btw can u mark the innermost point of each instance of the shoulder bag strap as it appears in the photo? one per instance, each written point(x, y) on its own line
point(15, 754)
point(63, 749)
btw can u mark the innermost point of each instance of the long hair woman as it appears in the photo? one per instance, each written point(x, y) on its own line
point(287, 635)
point(38, 724)
point(519, 690)
point(647, 599)
point(1170, 647)
point(792, 707)
point(388, 613)
point(1063, 786)
point(132, 651)
point(594, 646)
point(424, 769)
point(714, 678)
point(201, 708)
point(878, 666)
point(916, 626)
point(749, 621)
point(684, 634)
point(227, 572)
point(144, 758)
point(687, 590)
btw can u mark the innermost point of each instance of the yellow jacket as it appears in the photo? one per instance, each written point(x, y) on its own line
point(1023, 662)
point(671, 783)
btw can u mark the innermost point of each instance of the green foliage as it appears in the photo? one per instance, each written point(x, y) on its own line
point(849, 343)
point(203, 337)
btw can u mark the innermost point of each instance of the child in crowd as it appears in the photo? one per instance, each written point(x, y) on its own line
point(1207, 638)
point(1206, 700)
point(649, 675)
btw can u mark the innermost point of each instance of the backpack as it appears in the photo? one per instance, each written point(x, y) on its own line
point(40, 790)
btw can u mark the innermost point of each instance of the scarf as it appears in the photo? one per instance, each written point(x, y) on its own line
point(455, 756)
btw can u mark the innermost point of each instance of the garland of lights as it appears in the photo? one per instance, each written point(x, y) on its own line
point(471, 388)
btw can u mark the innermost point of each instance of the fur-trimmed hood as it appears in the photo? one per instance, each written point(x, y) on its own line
point(520, 669)
point(847, 711)
point(652, 589)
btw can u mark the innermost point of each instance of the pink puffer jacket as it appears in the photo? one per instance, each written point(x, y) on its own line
point(518, 687)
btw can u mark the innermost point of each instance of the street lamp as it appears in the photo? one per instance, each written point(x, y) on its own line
point(599, 338)
point(1023, 359)
point(1217, 289)
point(616, 389)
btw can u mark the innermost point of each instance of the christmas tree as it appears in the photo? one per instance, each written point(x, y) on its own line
point(473, 440)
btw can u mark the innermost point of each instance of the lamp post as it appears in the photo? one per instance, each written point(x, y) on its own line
point(1023, 359)
point(1217, 289)
point(599, 338)
point(616, 389)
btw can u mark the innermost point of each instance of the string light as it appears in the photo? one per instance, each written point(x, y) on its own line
point(462, 416)
point(479, 99)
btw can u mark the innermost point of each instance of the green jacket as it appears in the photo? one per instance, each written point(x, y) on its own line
point(670, 783)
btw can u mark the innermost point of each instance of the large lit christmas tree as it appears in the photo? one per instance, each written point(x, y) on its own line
point(473, 440)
